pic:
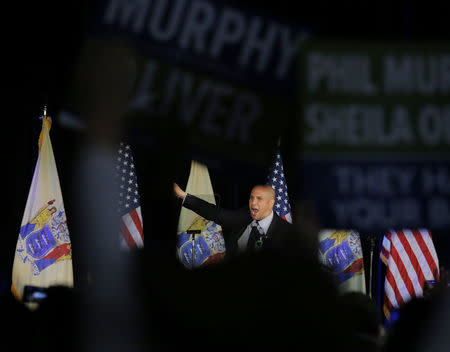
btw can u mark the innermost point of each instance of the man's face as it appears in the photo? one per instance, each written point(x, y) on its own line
point(261, 202)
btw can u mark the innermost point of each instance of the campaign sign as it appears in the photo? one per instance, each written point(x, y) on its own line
point(221, 73)
point(375, 127)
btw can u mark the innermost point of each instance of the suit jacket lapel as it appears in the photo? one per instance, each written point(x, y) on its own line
point(272, 236)
point(272, 225)
point(233, 245)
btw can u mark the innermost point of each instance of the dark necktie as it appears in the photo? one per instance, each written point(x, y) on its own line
point(255, 238)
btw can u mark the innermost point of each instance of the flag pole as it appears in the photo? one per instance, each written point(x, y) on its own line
point(372, 240)
point(44, 113)
point(45, 119)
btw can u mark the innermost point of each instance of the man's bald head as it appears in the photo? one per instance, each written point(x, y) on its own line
point(262, 199)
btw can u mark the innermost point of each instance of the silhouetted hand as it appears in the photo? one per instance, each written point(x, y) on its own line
point(179, 193)
point(439, 286)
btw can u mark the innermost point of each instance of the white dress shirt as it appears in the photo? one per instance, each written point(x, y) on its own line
point(263, 226)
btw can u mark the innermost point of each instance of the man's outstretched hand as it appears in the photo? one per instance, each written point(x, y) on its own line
point(179, 193)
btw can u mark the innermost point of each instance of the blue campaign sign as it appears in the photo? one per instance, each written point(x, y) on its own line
point(377, 195)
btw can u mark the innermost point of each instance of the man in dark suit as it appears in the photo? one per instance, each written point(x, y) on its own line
point(257, 226)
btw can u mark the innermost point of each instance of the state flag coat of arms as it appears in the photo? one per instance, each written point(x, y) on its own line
point(341, 252)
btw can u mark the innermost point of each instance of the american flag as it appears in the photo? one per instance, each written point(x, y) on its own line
point(278, 182)
point(411, 260)
point(129, 206)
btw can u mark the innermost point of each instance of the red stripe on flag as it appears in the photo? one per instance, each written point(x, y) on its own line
point(137, 222)
point(412, 257)
point(403, 271)
point(391, 280)
point(426, 251)
point(127, 235)
point(388, 303)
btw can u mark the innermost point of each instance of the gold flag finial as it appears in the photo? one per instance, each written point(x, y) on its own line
point(46, 120)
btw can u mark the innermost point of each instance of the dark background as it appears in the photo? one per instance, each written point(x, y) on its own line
point(43, 41)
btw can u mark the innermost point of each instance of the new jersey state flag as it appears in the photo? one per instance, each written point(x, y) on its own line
point(341, 252)
point(43, 254)
point(209, 245)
